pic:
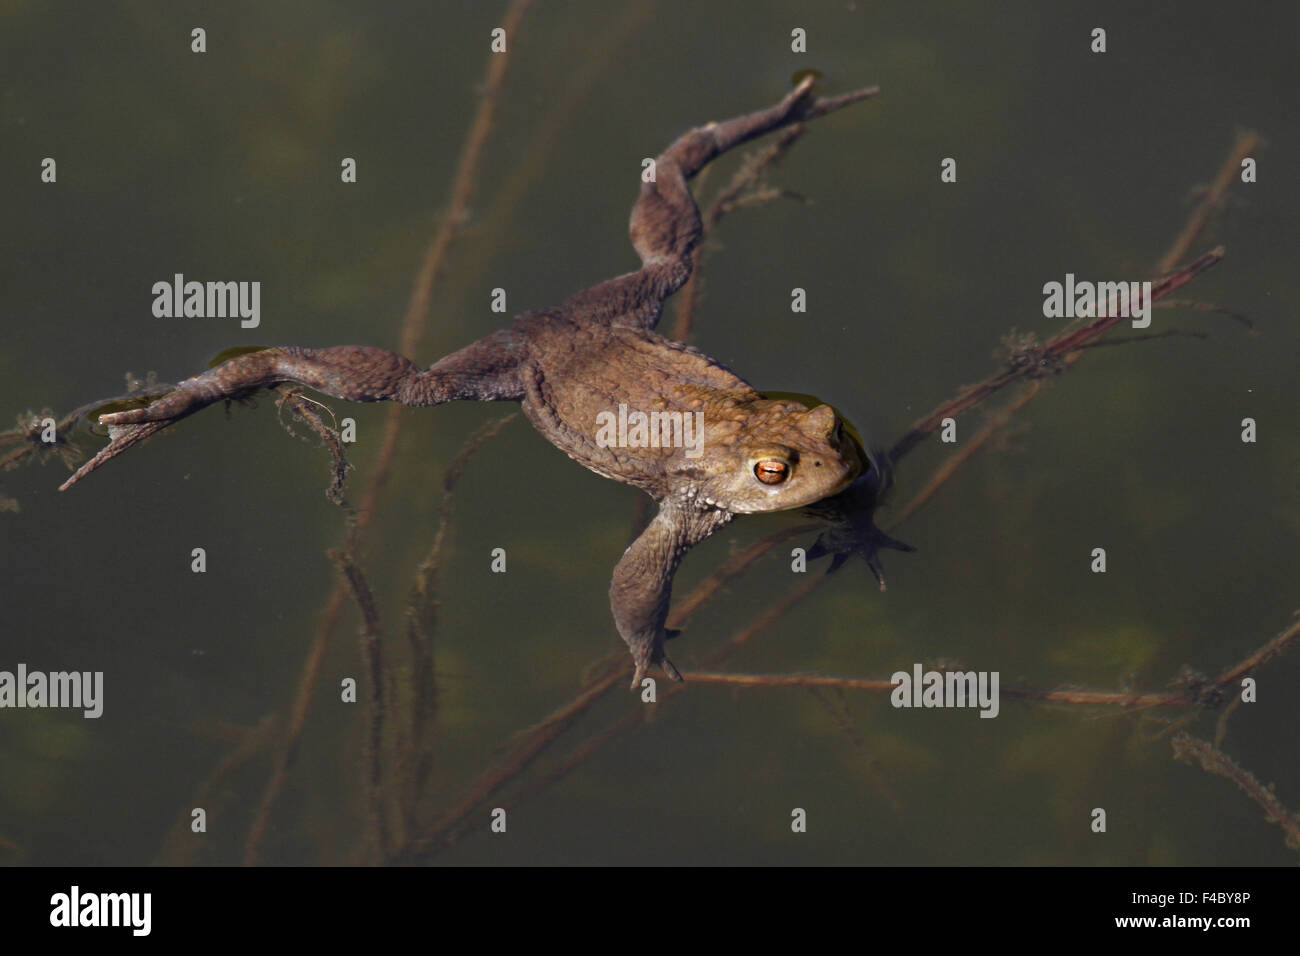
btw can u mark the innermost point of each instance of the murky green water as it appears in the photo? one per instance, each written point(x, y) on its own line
point(225, 166)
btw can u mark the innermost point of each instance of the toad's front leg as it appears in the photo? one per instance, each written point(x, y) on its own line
point(643, 581)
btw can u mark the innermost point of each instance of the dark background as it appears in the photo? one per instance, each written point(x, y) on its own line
point(226, 166)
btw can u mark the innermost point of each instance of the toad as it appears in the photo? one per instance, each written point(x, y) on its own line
point(598, 383)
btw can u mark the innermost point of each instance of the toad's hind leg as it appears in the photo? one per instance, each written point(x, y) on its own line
point(487, 370)
point(665, 224)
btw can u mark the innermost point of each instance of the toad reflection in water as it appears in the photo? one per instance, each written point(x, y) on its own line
point(594, 353)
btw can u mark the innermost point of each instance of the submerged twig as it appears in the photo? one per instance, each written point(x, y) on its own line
point(1125, 700)
point(372, 655)
point(1246, 144)
point(181, 841)
point(945, 472)
point(415, 758)
point(1193, 305)
point(1064, 348)
point(833, 700)
point(489, 782)
point(1193, 750)
point(1273, 649)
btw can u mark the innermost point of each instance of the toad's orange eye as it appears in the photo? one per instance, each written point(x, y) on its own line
point(771, 471)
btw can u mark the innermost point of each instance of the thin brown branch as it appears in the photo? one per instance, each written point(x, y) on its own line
point(684, 609)
point(1145, 337)
point(1193, 750)
point(945, 472)
point(774, 613)
point(415, 759)
point(1273, 649)
point(181, 842)
point(1064, 348)
point(1194, 305)
point(287, 752)
point(462, 189)
point(533, 744)
point(833, 700)
point(1246, 144)
point(1125, 700)
point(583, 73)
point(372, 652)
point(1195, 693)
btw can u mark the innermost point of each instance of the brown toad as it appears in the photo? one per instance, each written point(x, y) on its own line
point(614, 396)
